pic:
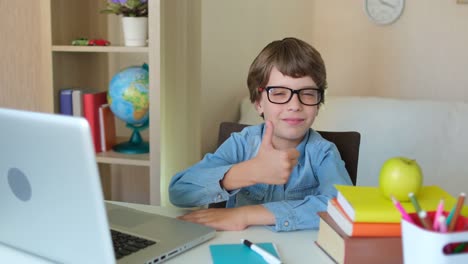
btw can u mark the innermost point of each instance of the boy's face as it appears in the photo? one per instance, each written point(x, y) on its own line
point(292, 119)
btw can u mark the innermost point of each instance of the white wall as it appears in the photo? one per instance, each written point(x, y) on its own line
point(233, 33)
point(423, 55)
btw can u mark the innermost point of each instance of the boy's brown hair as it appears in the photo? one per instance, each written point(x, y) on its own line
point(292, 57)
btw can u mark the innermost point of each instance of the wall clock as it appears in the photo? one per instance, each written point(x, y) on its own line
point(384, 12)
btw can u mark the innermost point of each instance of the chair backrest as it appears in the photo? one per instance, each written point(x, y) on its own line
point(347, 143)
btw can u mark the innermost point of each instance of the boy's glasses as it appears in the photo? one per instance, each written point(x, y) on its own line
point(282, 95)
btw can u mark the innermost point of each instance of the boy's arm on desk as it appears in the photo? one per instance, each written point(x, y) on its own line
point(293, 247)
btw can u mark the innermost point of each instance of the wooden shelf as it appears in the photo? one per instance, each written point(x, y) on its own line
point(127, 177)
point(112, 157)
point(105, 49)
point(172, 55)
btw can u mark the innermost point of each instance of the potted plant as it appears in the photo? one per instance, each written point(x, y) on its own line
point(134, 19)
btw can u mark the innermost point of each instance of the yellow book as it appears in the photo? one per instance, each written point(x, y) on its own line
point(367, 203)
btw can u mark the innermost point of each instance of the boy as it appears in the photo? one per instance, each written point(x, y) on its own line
point(280, 173)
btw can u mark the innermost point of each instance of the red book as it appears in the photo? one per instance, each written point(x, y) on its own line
point(91, 104)
point(361, 229)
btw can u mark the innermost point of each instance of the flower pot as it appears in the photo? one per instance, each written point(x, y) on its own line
point(135, 31)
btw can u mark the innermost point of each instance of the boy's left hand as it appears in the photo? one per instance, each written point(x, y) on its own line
point(230, 219)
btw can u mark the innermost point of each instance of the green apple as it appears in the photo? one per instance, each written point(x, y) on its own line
point(400, 176)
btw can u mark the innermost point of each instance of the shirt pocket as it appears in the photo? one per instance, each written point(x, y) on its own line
point(300, 192)
point(252, 195)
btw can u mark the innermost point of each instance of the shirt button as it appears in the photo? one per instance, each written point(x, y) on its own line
point(286, 223)
point(247, 193)
point(219, 197)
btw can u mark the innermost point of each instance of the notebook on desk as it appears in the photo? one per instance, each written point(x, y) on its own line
point(51, 201)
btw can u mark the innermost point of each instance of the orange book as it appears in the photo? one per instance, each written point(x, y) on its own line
point(361, 229)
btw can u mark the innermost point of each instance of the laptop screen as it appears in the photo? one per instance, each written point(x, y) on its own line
point(50, 193)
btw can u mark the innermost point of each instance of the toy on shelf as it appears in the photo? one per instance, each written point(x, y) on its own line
point(90, 42)
point(98, 42)
point(80, 42)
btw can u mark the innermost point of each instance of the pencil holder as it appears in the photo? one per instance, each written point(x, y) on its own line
point(421, 245)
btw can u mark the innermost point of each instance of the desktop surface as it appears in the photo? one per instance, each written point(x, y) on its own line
point(293, 247)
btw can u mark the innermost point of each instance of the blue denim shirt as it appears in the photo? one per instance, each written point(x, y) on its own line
point(294, 204)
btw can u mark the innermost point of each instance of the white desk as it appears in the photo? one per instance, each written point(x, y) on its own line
point(294, 247)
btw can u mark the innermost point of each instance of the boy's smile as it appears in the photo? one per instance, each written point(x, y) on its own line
point(290, 120)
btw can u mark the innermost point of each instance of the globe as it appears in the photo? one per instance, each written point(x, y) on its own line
point(129, 101)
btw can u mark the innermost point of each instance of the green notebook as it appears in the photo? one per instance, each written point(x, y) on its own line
point(367, 203)
point(239, 253)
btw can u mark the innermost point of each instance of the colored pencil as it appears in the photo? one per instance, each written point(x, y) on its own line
point(440, 209)
point(453, 222)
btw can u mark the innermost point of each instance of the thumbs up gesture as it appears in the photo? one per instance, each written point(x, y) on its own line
point(274, 166)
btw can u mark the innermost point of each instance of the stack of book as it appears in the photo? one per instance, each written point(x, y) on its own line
point(363, 226)
point(351, 249)
point(93, 107)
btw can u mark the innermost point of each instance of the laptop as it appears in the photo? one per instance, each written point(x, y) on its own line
point(52, 204)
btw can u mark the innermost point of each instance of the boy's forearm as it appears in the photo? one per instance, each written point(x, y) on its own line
point(258, 215)
point(240, 175)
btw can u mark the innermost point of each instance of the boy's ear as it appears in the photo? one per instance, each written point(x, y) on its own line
point(258, 107)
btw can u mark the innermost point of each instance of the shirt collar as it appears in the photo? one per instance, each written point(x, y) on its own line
point(301, 148)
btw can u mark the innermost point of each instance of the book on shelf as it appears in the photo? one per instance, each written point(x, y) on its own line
point(77, 102)
point(360, 229)
point(348, 250)
point(65, 101)
point(107, 127)
point(367, 203)
point(91, 103)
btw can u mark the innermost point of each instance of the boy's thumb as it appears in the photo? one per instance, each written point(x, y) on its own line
point(268, 135)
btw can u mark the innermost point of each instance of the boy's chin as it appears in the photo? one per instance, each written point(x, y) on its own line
point(296, 134)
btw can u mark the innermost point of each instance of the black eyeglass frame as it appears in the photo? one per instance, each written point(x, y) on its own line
point(268, 88)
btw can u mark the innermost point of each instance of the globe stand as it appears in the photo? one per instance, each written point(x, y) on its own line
point(135, 145)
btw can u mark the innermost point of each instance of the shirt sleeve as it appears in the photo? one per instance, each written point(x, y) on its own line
point(200, 185)
point(302, 214)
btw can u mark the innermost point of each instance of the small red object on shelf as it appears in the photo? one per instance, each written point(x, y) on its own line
point(98, 42)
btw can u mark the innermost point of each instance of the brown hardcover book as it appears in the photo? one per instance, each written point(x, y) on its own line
point(349, 250)
point(107, 127)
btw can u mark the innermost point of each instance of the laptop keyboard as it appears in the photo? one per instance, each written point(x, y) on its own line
point(125, 244)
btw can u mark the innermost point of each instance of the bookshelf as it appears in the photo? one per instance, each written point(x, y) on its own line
point(91, 68)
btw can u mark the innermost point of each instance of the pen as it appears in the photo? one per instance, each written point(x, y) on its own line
point(400, 208)
point(438, 213)
point(426, 223)
point(459, 248)
point(453, 222)
point(269, 258)
point(442, 224)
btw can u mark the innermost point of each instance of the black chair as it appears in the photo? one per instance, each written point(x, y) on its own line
point(347, 143)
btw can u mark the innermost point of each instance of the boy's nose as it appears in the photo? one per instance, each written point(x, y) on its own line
point(294, 104)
